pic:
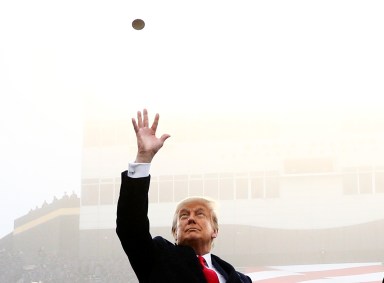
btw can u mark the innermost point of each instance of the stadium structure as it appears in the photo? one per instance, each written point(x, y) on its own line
point(291, 207)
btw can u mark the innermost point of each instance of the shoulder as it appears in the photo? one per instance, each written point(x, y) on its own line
point(160, 241)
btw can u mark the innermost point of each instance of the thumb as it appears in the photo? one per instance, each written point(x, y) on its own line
point(164, 137)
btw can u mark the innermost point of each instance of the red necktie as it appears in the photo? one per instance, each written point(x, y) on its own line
point(209, 274)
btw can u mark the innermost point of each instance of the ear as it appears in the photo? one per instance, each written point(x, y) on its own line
point(174, 235)
point(214, 234)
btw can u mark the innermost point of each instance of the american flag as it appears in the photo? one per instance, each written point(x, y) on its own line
point(325, 273)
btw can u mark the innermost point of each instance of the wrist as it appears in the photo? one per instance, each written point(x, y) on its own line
point(144, 158)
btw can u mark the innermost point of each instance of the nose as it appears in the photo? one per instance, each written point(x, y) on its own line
point(191, 219)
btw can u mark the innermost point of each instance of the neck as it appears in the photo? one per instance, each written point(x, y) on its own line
point(201, 249)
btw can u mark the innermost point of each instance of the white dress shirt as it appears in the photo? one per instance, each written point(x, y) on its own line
point(138, 170)
point(208, 259)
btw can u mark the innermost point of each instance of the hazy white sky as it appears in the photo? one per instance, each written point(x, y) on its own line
point(61, 60)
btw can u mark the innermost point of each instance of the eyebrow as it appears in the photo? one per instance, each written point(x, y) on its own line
point(198, 209)
point(184, 210)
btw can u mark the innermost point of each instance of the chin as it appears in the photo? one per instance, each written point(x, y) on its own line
point(188, 240)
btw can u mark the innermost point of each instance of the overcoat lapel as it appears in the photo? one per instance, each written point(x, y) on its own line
point(227, 270)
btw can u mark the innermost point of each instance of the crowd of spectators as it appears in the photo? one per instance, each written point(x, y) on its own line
point(55, 269)
point(46, 267)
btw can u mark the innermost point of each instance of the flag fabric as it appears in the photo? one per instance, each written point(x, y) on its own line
point(325, 273)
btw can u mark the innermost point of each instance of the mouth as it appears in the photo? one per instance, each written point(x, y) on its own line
point(193, 229)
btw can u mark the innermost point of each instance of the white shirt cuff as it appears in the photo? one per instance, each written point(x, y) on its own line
point(138, 170)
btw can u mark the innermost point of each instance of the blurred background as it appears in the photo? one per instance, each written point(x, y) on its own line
point(274, 108)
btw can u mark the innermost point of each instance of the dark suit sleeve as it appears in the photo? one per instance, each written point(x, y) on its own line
point(132, 224)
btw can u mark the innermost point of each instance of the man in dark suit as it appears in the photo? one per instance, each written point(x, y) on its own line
point(194, 227)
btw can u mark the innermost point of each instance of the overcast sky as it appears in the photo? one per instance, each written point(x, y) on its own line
point(60, 61)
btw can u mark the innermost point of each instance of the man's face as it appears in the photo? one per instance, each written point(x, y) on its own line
point(194, 225)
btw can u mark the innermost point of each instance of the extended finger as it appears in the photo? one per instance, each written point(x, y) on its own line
point(145, 112)
point(139, 119)
point(155, 122)
point(135, 127)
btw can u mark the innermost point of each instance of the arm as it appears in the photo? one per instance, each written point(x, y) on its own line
point(132, 223)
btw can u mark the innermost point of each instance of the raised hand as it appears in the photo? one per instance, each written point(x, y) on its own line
point(147, 142)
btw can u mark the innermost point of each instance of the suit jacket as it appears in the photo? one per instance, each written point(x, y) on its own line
point(156, 259)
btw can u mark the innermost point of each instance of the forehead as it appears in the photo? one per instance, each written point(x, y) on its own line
point(191, 206)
